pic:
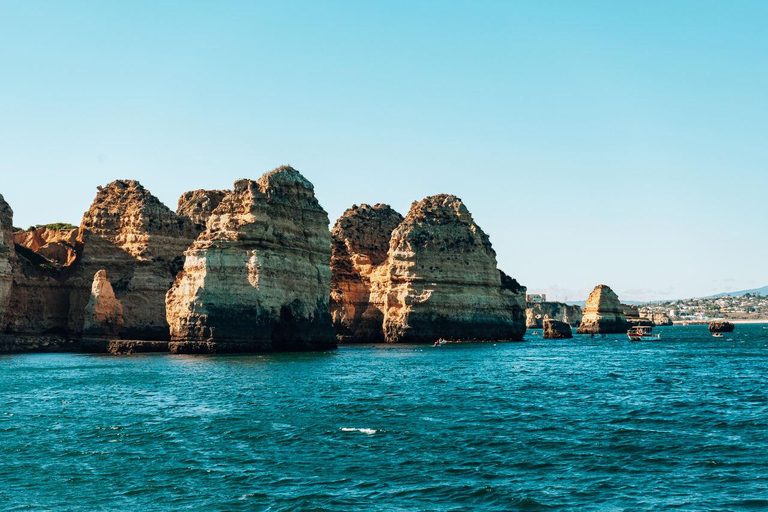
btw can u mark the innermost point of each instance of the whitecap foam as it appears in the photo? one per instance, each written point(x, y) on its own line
point(368, 431)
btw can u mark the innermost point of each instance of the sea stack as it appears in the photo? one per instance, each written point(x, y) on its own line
point(360, 245)
point(7, 257)
point(139, 242)
point(603, 313)
point(103, 313)
point(721, 326)
point(442, 280)
point(258, 278)
point(554, 329)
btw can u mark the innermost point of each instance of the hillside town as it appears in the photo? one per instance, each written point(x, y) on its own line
point(746, 307)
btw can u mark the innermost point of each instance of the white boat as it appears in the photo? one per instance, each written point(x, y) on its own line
point(717, 335)
point(641, 333)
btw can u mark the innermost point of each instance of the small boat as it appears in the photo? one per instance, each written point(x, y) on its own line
point(535, 333)
point(440, 342)
point(641, 333)
point(717, 335)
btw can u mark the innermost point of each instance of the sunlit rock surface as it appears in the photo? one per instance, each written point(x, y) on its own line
point(258, 278)
point(603, 313)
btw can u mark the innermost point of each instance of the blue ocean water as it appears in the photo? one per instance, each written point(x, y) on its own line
point(582, 424)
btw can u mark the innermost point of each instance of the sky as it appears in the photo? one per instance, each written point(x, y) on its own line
point(595, 142)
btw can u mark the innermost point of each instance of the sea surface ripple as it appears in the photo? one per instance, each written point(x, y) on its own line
point(582, 424)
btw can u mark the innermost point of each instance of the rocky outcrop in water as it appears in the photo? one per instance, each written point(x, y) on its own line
point(440, 280)
point(603, 313)
point(258, 278)
point(103, 313)
point(554, 329)
point(721, 326)
point(632, 314)
point(58, 246)
point(139, 242)
point(537, 311)
point(360, 243)
point(7, 258)
point(657, 317)
point(198, 205)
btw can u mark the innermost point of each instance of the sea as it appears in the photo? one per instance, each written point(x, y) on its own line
point(579, 424)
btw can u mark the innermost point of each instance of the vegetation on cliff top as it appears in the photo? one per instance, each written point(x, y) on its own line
point(55, 225)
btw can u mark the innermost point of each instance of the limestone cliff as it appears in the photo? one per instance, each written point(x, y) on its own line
point(442, 281)
point(33, 298)
point(58, 246)
point(39, 302)
point(258, 278)
point(140, 243)
point(537, 311)
point(198, 205)
point(7, 257)
point(603, 313)
point(103, 313)
point(360, 242)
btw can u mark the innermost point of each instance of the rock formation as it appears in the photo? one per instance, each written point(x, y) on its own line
point(632, 314)
point(721, 326)
point(39, 303)
point(7, 257)
point(140, 243)
point(440, 279)
point(198, 205)
point(537, 311)
point(103, 313)
point(360, 245)
point(603, 313)
point(33, 299)
point(554, 329)
point(58, 246)
point(657, 317)
point(258, 278)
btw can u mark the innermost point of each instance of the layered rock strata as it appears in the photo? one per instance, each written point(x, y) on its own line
point(721, 326)
point(33, 299)
point(537, 311)
point(603, 313)
point(39, 302)
point(258, 278)
point(139, 242)
point(198, 205)
point(440, 280)
point(554, 329)
point(7, 258)
point(360, 242)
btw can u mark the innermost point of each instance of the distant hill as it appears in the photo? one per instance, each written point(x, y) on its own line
point(583, 303)
point(755, 291)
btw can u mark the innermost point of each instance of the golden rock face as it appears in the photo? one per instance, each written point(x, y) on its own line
point(439, 278)
point(603, 313)
point(258, 278)
point(140, 243)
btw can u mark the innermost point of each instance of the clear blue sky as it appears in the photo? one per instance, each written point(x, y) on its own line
point(612, 142)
